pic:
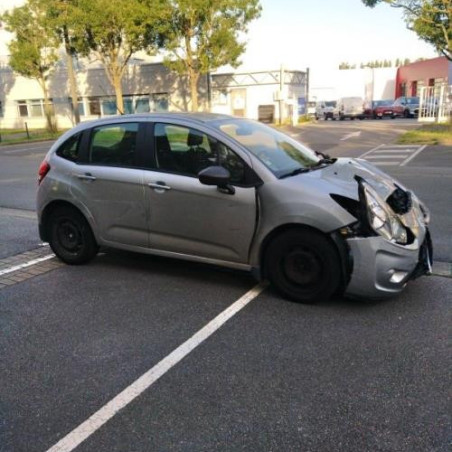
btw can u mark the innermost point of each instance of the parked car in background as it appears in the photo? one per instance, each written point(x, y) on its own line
point(236, 193)
point(324, 109)
point(383, 109)
point(406, 107)
point(349, 107)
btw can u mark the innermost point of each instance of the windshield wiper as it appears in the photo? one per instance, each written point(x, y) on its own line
point(295, 172)
point(324, 161)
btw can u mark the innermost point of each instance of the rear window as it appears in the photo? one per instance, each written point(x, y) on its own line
point(69, 149)
point(114, 144)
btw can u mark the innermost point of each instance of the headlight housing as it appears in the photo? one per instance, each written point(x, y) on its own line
point(381, 218)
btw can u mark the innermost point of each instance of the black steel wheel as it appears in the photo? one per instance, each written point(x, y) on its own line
point(303, 265)
point(70, 236)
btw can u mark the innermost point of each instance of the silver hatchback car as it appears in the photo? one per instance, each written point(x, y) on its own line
point(235, 193)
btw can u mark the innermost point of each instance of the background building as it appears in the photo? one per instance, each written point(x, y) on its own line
point(410, 79)
point(148, 87)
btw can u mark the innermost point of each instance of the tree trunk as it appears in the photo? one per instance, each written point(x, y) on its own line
point(71, 75)
point(117, 85)
point(51, 124)
point(194, 89)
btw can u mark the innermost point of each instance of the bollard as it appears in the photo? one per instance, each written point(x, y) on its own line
point(26, 130)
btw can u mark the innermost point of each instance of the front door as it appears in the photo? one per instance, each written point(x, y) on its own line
point(191, 218)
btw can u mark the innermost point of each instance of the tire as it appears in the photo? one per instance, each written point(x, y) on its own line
point(70, 236)
point(303, 265)
point(406, 114)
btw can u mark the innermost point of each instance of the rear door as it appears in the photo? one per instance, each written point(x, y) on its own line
point(109, 182)
point(191, 218)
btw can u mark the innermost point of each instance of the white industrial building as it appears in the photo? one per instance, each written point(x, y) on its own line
point(368, 83)
point(148, 87)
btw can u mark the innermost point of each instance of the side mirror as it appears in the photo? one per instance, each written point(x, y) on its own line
point(219, 176)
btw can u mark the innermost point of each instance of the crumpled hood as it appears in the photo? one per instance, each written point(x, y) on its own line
point(346, 169)
point(408, 210)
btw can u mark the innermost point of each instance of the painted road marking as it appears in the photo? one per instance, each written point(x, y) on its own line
point(104, 414)
point(15, 268)
point(392, 155)
point(413, 155)
point(350, 135)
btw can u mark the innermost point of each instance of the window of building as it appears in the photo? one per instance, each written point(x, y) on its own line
point(23, 108)
point(128, 105)
point(109, 107)
point(80, 105)
point(94, 106)
point(160, 102)
point(142, 104)
point(33, 107)
point(114, 144)
point(1, 109)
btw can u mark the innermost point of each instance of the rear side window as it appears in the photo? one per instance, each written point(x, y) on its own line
point(114, 144)
point(69, 149)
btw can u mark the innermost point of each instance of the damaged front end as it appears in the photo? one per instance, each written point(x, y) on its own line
point(390, 242)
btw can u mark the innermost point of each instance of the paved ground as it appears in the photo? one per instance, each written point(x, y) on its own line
point(277, 376)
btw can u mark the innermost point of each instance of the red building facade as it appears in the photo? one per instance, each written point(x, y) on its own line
point(412, 77)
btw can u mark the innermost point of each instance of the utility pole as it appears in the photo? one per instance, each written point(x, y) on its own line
point(281, 89)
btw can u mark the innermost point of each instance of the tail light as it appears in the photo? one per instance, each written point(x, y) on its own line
point(44, 168)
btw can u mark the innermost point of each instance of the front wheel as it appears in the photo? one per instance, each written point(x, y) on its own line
point(303, 265)
point(70, 236)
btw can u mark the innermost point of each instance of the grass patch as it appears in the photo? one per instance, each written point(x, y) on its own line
point(14, 136)
point(428, 134)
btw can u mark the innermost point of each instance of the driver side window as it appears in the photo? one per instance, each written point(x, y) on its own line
point(182, 150)
point(187, 151)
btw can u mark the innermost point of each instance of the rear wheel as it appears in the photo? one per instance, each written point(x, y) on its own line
point(70, 236)
point(303, 265)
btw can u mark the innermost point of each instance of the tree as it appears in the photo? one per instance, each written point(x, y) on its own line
point(33, 51)
point(59, 14)
point(429, 19)
point(203, 35)
point(114, 30)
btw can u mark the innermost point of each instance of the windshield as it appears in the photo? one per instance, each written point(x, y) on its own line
point(278, 152)
point(330, 103)
point(382, 103)
point(412, 100)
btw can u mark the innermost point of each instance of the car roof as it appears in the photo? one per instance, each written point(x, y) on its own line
point(193, 117)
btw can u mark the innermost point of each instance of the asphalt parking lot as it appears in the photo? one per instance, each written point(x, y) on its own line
point(266, 375)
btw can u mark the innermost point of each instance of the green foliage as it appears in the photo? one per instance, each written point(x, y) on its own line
point(429, 19)
point(428, 134)
point(111, 31)
point(202, 35)
point(33, 51)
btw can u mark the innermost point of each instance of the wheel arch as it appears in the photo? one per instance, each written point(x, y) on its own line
point(49, 209)
point(335, 239)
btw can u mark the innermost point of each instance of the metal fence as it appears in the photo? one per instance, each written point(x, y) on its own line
point(435, 103)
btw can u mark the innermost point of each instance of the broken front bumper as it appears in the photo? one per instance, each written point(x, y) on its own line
point(382, 269)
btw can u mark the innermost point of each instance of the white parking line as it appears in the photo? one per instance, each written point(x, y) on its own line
point(26, 264)
point(104, 414)
point(414, 155)
point(372, 150)
point(392, 155)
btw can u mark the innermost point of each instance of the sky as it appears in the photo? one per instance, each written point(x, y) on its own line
point(318, 34)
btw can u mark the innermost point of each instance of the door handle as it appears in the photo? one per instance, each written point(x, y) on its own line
point(86, 176)
point(159, 185)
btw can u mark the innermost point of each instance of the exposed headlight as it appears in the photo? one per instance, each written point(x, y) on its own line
point(381, 219)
